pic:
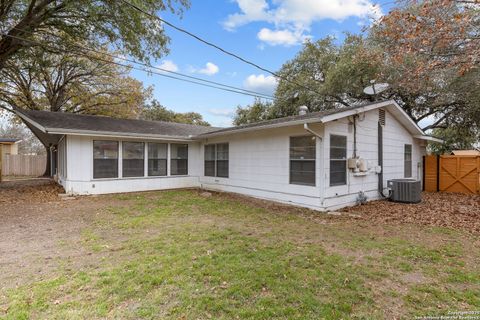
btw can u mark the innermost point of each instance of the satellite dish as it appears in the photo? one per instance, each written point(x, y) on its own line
point(376, 88)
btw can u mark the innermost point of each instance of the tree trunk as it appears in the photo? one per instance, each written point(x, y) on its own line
point(48, 171)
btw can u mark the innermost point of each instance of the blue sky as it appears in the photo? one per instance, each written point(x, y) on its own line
point(267, 32)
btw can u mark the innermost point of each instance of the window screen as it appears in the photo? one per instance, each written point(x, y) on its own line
point(216, 160)
point(178, 159)
point(408, 161)
point(105, 159)
point(338, 160)
point(210, 155)
point(157, 159)
point(302, 160)
point(133, 162)
point(222, 160)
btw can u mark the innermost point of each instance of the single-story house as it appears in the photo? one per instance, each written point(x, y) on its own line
point(9, 146)
point(322, 160)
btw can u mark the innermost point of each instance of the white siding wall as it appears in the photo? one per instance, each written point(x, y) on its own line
point(395, 136)
point(259, 165)
point(80, 171)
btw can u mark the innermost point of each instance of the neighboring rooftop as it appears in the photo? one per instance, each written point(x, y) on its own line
point(62, 122)
point(9, 140)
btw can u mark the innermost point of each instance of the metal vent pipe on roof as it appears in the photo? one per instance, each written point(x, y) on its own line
point(302, 110)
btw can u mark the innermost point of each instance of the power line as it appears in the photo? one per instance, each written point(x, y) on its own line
point(217, 47)
point(266, 96)
point(217, 85)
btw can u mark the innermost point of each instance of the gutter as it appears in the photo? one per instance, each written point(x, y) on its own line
point(256, 128)
point(114, 134)
point(429, 138)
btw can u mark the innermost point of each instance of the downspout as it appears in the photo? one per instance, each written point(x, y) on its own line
point(320, 138)
point(355, 136)
point(307, 128)
point(380, 159)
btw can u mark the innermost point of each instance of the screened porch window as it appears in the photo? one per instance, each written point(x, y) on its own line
point(209, 169)
point(105, 159)
point(157, 159)
point(216, 160)
point(133, 159)
point(407, 165)
point(302, 160)
point(338, 160)
point(178, 159)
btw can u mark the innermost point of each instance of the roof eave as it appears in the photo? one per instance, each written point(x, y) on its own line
point(62, 131)
point(428, 138)
point(271, 126)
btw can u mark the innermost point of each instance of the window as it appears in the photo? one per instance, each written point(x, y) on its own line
point(302, 160)
point(407, 161)
point(210, 160)
point(222, 160)
point(105, 159)
point(216, 160)
point(178, 159)
point(157, 159)
point(338, 160)
point(133, 159)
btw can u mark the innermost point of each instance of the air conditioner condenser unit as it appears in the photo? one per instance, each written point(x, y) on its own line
point(405, 190)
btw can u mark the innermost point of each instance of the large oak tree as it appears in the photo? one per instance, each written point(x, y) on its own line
point(108, 21)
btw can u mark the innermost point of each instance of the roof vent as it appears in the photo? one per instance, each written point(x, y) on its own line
point(303, 110)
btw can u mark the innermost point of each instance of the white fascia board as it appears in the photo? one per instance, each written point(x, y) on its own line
point(429, 138)
point(114, 134)
point(397, 111)
point(33, 123)
point(355, 111)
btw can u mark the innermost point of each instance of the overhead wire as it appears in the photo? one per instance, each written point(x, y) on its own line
point(189, 79)
point(208, 43)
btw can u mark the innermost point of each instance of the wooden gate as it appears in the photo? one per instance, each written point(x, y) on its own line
point(452, 174)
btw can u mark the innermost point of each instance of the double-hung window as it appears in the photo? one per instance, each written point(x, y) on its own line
point(157, 159)
point(133, 159)
point(105, 159)
point(178, 159)
point(216, 160)
point(302, 160)
point(338, 160)
point(407, 163)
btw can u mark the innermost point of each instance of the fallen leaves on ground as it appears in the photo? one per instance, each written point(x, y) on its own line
point(29, 191)
point(450, 210)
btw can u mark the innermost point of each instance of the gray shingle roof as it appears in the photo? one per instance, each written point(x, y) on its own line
point(77, 122)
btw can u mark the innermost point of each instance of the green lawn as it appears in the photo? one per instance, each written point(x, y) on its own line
point(179, 255)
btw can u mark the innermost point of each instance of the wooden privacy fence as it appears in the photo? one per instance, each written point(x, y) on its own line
point(23, 165)
point(452, 174)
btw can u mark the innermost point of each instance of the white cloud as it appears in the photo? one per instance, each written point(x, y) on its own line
point(210, 69)
point(282, 37)
point(168, 65)
point(292, 18)
point(261, 83)
point(252, 10)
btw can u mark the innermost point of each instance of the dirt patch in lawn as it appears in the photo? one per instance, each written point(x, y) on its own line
point(450, 210)
point(29, 191)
